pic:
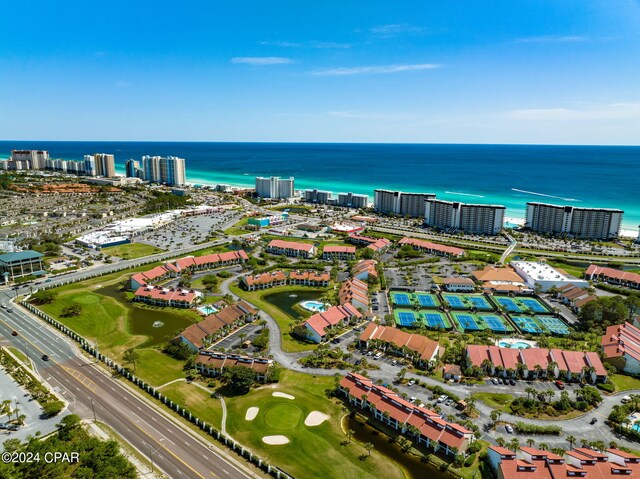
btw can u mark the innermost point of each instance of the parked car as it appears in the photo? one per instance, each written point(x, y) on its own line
point(377, 356)
point(559, 384)
point(512, 382)
point(448, 402)
point(509, 429)
point(394, 362)
point(625, 399)
point(494, 380)
point(442, 398)
point(500, 381)
point(358, 361)
point(593, 421)
point(413, 399)
point(411, 382)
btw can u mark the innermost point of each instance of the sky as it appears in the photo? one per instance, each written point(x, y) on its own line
point(427, 71)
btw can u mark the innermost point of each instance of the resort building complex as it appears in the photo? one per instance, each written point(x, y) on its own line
point(213, 364)
point(274, 187)
point(583, 223)
point(580, 462)
point(621, 347)
point(272, 279)
point(468, 218)
point(400, 203)
point(539, 273)
point(613, 276)
point(340, 252)
point(420, 349)
point(432, 248)
point(317, 196)
point(105, 164)
point(291, 248)
point(168, 170)
point(352, 200)
point(401, 415)
point(318, 324)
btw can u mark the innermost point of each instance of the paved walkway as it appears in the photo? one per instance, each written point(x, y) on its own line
point(171, 382)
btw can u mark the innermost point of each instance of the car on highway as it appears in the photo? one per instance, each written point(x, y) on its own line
point(509, 429)
point(14, 333)
point(45, 357)
point(9, 310)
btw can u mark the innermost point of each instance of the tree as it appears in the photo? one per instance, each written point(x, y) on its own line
point(350, 434)
point(495, 415)
point(368, 446)
point(131, 356)
point(530, 442)
point(43, 297)
point(72, 310)
point(52, 408)
point(571, 440)
point(239, 379)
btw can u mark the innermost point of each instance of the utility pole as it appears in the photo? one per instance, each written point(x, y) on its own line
point(93, 408)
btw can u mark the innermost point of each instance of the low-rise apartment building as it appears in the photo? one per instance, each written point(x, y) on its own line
point(291, 248)
point(432, 248)
point(272, 279)
point(318, 325)
point(612, 276)
point(421, 350)
point(621, 347)
point(341, 252)
point(214, 363)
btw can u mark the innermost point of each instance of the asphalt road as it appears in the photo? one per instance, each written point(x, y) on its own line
point(177, 451)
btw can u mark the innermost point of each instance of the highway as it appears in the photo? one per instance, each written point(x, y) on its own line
point(177, 451)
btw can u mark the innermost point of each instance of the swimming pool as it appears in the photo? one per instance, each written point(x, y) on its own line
point(515, 345)
point(207, 309)
point(315, 306)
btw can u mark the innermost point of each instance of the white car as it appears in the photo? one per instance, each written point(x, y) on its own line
point(442, 398)
point(411, 382)
point(509, 429)
point(625, 400)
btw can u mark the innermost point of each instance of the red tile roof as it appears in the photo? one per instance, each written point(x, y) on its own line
point(621, 339)
point(427, 245)
point(423, 346)
point(610, 273)
point(281, 244)
point(332, 317)
point(339, 249)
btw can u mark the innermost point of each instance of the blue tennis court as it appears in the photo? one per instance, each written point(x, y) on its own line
point(509, 304)
point(401, 299)
point(426, 300)
point(554, 325)
point(454, 301)
point(434, 320)
point(467, 322)
point(527, 324)
point(534, 305)
point(494, 323)
point(479, 302)
point(406, 318)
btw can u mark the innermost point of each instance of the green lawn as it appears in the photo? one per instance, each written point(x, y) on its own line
point(501, 402)
point(196, 400)
point(20, 355)
point(624, 383)
point(313, 451)
point(157, 368)
point(569, 268)
point(238, 228)
point(289, 343)
point(131, 250)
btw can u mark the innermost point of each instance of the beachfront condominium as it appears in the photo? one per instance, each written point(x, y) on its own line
point(274, 187)
point(317, 196)
point(579, 222)
point(31, 159)
point(401, 203)
point(169, 170)
point(132, 169)
point(88, 166)
point(468, 218)
point(105, 165)
point(352, 200)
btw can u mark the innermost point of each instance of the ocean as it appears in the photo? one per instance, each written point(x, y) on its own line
point(510, 175)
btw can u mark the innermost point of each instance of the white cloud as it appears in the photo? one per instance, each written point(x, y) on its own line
point(395, 29)
point(261, 61)
point(612, 111)
point(379, 69)
point(553, 39)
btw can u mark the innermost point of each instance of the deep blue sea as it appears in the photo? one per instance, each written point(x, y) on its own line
point(511, 175)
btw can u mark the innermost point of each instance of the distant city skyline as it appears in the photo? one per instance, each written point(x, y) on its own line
point(527, 72)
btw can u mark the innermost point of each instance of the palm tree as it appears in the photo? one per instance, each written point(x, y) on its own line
point(530, 442)
point(514, 444)
point(543, 446)
point(584, 442)
point(368, 446)
point(350, 434)
point(495, 415)
point(571, 440)
point(501, 442)
point(550, 393)
point(530, 392)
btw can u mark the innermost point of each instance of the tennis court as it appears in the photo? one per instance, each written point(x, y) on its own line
point(466, 321)
point(494, 323)
point(533, 305)
point(480, 302)
point(509, 304)
point(401, 299)
point(427, 300)
point(527, 324)
point(406, 318)
point(435, 320)
point(554, 325)
point(454, 301)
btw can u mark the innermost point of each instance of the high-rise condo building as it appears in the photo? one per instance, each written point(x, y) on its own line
point(105, 165)
point(400, 203)
point(132, 169)
point(36, 159)
point(317, 196)
point(579, 222)
point(351, 200)
point(468, 218)
point(88, 166)
point(169, 170)
point(274, 187)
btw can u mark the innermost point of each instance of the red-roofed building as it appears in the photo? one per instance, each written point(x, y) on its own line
point(466, 285)
point(318, 324)
point(212, 363)
point(280, 278)
point(378, 245)
point(389, 408)
point(291, 248)
point(612, 276)
point(532, 463)
point(341, 252)
point(364, 268)
point(432, 248)
point(159, 296)
point(355, 292)
point(534, 363)
point(420, 349)
point(621, 347)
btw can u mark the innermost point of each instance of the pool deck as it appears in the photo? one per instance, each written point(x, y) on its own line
point(532, 344)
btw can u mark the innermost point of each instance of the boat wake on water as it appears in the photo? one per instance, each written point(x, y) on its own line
point(542, 194)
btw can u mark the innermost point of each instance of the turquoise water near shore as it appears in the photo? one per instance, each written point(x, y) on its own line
point(511, 175)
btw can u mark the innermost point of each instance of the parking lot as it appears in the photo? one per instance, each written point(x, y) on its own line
point(233, 341)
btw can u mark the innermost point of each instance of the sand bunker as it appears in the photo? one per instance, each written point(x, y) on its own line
point(278, 394)
point(275, 440)
point(251, 413)
point(315, 418)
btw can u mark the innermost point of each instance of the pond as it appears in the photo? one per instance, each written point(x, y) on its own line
point(413, 467)
point(286, 300)
point(155, 324)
